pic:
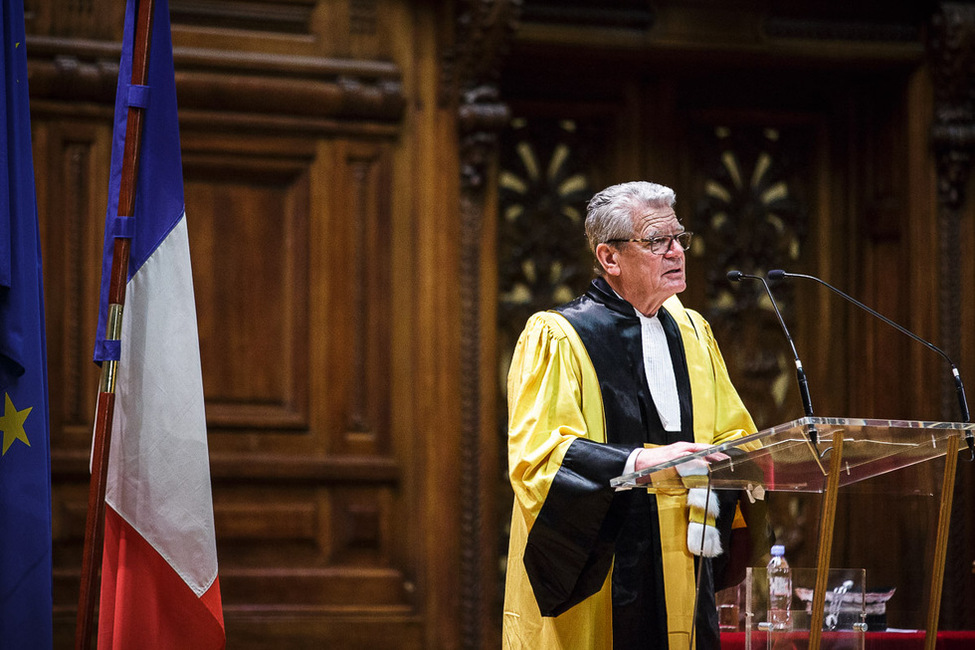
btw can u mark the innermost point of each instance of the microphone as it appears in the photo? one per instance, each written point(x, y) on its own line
point(778, 274)
point(738, 276)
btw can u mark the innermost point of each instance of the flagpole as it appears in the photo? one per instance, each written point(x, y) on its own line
point(101, 444)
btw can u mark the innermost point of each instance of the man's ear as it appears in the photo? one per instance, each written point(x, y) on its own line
point(608, 258)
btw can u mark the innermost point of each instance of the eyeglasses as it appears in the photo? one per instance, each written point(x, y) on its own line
point(660, 245)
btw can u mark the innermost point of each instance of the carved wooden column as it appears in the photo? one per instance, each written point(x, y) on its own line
point(472, 63)
point(951, 46)
point(951, 43)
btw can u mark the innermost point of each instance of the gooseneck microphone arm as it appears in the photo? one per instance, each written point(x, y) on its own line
point(778, 274)
point(738, 276)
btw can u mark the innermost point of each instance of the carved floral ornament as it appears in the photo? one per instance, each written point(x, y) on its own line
point(751, 218)
point(951, 48)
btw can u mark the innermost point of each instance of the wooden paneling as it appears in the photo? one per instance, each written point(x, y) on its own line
point(71, 157)
point(294, 291)
point(72, 172)
point(343, 262)
point(357, 248)
point(295, 130)
point(251, 282)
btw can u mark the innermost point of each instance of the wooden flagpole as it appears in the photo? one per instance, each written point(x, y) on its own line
point(95, 521)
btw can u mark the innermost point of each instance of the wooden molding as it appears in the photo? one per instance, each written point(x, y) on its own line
point(292, 17)
point(294, 92)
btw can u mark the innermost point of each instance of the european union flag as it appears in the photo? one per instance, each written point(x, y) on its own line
point(25, 465)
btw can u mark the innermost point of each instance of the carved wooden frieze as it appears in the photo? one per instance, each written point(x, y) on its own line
point(240, 89)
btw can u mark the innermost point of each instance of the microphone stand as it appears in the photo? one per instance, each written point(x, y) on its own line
point(738, 276)
point(944, 517)
point(777, 274)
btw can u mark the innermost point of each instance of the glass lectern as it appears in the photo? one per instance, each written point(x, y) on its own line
point(824, 455)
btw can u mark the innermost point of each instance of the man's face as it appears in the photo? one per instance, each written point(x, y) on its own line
point(641, 277)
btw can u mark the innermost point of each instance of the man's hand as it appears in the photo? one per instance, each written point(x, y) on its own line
point(656, 455)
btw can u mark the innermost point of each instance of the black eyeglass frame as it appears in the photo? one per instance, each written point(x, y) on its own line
point(656, 244)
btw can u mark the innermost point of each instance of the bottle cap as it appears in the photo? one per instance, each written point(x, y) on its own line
point(778, 549)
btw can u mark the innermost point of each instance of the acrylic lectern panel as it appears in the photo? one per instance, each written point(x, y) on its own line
point(795, 456)
point(823, 455)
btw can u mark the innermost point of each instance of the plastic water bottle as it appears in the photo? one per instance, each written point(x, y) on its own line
point(779, 590)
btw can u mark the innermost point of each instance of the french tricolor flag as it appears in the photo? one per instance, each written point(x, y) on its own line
point(159, 584)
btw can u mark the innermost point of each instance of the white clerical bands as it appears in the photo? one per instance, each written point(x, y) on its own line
point(702, 513)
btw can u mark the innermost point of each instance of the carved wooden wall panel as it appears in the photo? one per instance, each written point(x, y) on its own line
point(292, 133)
point(295, 338)
point(251, 280)
point(356, 245)
point(753, 180)
point(74, 153)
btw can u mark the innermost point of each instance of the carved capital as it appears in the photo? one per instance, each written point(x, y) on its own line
point(475, 49)
point(469, 79)
point(480, 117)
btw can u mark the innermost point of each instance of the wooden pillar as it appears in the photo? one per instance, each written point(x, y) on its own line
point(472, 63)
point(951, 48)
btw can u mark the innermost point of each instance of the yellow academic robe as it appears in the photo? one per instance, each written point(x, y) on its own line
point(554, 398)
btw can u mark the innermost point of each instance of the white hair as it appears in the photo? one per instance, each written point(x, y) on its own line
point(610, 212)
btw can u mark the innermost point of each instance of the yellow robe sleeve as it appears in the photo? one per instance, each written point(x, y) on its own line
point(553, 401)
point(550, 404)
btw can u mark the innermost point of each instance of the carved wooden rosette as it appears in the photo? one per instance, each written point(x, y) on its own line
point(471, 67)
point(951, 49)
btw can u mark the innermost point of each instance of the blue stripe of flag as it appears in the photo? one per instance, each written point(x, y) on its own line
point(25, 466)
point(159, 191)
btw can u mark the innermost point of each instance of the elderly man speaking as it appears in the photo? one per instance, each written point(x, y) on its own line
point(621, 378)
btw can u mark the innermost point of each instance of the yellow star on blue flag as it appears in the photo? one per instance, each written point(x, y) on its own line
point(12, 424)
